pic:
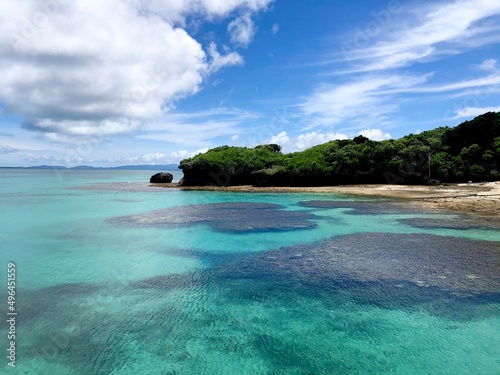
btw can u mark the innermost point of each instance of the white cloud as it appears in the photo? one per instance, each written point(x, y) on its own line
point(176, 11)
point(364, 98)
point(194, 134)
point(195, 129)
point(180, 154)
point(484, 82)
point(220, 61)
point(275, 29)
point(489, 65)
point(310, 139)
point(153, 157)
point(242, 30)
point(82, 68)
point(52, 158)
point(475, 111)
point(375, 86)
point(74, 79)
point(183, 154)
point(375, 134)
point(157, 158)
point(440, 29)
point(235, 137)
point(281, 139)
point(303, 141)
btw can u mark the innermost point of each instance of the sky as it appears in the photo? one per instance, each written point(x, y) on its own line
point(121, 82)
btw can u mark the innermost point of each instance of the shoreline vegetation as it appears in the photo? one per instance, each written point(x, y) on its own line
point(434, 168)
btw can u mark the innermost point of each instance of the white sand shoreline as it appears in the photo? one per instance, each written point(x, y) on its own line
point(476, 198)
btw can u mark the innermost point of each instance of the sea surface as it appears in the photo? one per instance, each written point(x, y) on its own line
point(116, 277)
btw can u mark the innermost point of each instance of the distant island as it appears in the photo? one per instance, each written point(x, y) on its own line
point(469, 151)
point(141, 167)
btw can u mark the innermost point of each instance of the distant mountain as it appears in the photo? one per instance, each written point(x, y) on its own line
point(142, 167)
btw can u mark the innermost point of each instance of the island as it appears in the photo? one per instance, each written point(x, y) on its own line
point(451, 167)
point(467, 152)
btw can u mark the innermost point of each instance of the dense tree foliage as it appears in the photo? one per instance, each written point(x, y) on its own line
point(469, 151)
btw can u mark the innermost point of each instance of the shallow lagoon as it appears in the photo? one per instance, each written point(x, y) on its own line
point(115, 277)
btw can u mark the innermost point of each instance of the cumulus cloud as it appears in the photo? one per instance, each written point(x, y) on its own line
point(82, 68)
point(475, 111)
point(220, 61)
point(153, 157)
point(183, 154)
point(242, 30)
point(303, 141)
point(150, 158)
point(52, 159)
point(281, 139)
point(178, 10)
point(489, 65)
point(313, 138)
point(375, 134)
point(223, 7)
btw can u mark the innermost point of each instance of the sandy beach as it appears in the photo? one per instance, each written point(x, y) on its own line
point(476, 198)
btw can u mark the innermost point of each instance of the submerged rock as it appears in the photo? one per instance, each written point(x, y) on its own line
point(161, 178)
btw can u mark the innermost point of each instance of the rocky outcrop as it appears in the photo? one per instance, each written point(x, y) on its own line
point(434, 182)
point(161, 178)
point(274, 176)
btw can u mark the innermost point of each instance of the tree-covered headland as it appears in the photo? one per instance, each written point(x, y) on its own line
point(469, 151)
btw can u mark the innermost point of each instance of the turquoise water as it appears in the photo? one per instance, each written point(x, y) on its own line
point(116, 277)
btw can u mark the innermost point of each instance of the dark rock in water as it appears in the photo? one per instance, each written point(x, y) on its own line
point(161, 178)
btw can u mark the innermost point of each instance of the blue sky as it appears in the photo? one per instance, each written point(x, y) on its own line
point(136, 82)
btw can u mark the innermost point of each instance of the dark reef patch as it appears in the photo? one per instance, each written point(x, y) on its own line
point(48, 300)
point(458, 265)
point(368, 207)
point(461, 223)
point(238, 217)
point(169, 282)
point(445, 275)
point(208, 258)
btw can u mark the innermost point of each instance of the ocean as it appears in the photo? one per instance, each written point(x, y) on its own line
point(113, 276)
